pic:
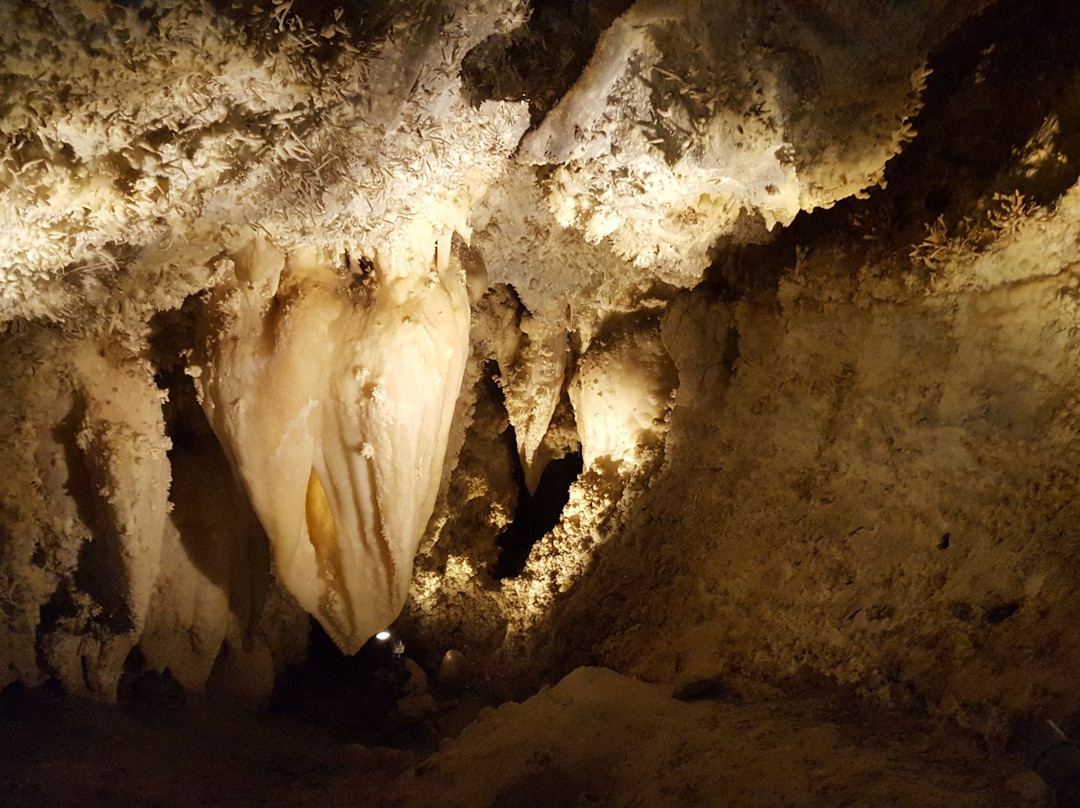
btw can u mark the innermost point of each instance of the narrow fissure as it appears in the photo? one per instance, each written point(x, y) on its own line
point(100, 571)
point(536, 513)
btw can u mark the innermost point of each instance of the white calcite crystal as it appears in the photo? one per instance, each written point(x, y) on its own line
point(332, 394)
point(696, 118)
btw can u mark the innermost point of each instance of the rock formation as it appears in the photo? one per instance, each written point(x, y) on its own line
point(297, 297)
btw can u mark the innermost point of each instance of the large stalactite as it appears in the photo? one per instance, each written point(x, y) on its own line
point(333, 399)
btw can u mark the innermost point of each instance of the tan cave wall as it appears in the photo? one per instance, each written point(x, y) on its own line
point(880, 495)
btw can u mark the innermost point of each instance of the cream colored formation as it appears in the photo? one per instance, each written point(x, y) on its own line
point(333, 405)
point(352, 237)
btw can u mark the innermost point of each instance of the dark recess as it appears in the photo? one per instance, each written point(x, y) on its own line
point(172, 338)
point(144, 692)
point(542, 59)
point(1002, 612)
point(350, 697)
point(994, 82)
point(536, 513)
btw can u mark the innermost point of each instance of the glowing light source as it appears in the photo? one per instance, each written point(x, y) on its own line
point(382, 636)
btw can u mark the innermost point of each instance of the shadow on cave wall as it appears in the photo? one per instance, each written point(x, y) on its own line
point(218, 528)
point(995, 81)
point(100, 571)
point(367, 21)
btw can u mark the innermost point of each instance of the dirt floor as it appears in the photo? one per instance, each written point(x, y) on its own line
point(596, 738)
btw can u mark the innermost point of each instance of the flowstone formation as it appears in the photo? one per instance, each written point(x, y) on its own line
point(300, 302)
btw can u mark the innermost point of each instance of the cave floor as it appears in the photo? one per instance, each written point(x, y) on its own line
point(596, 738)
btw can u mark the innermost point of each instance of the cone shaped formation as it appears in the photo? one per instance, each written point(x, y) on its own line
point(333, 402)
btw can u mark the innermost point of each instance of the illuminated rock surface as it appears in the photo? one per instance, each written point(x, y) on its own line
point(303, 309)
point(85, 493)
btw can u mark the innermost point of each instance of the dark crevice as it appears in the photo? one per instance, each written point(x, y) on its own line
point(536, 513)
point(541, 60)
point(1002, 612)
point(100, 572)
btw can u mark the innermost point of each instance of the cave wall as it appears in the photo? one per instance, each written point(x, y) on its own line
point(866, 471)
point(883, 496)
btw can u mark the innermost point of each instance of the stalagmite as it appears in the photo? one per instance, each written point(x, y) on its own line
point(333, 397)
point(215, 572)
